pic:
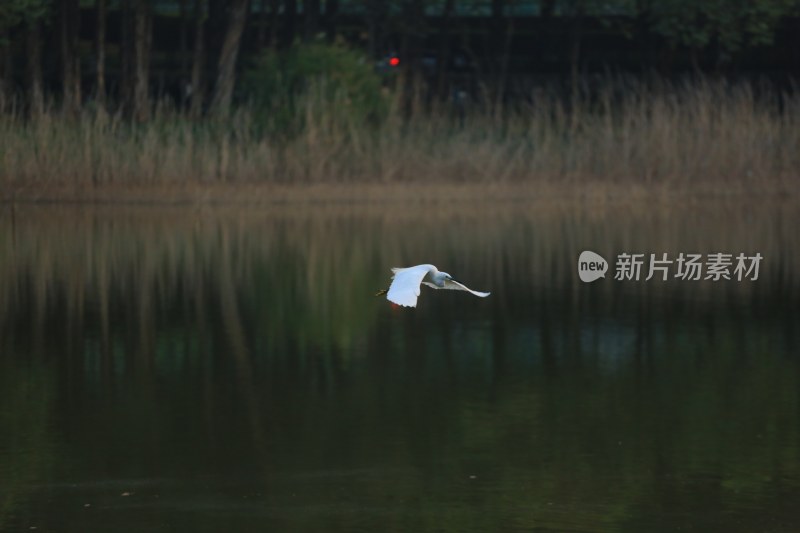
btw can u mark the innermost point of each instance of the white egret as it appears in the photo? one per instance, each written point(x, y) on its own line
point(405, 286)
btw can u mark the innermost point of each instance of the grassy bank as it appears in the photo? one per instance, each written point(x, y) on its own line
point(700, 137)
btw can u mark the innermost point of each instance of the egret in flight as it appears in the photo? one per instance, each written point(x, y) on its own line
point(405, 286)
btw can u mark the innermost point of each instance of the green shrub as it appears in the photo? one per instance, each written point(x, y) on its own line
point(311, 82)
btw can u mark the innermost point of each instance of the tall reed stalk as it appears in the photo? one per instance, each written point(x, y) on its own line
point(702, 134)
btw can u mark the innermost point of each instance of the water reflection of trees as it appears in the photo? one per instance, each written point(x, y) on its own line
point(189, 333)
point(26, 451)
point(317, 270)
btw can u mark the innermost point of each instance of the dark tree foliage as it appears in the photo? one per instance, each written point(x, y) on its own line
point(127, 54)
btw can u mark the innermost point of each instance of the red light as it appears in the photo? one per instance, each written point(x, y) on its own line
point(394, 61)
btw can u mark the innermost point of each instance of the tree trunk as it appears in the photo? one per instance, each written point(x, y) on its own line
point(413, 35)
point(311, 10)
point(127, 53)
point(70, 61)
point(199, 59)
point(141, 36)
point(498, 7)
point(274, 8)
point(577, 14)
point(443, 57)
point(34, 52)
point(412, 82)
point(496, 41)
point(263, 22)
point(216, 26)
point(100, 44)
point(183, 44)
point(226, 68)
point(331, 16)
point(576, 36)
point(372, 30)
point(502, 27)
point(290, 21)
point(5, 70)
point(376, 12)
point(645, 38)
point(505, 59)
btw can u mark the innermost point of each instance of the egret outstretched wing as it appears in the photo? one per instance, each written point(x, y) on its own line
point(457, 286)
point(404, 289)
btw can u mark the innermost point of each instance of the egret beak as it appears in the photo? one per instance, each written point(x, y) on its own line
point(381, 292)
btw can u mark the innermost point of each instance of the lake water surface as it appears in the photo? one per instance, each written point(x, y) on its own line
point(231, 370)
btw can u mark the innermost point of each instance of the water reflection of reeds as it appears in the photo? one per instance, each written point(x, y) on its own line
point(310, 275)
point(247, 341)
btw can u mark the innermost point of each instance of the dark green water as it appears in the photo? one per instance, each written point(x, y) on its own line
point(218, 371)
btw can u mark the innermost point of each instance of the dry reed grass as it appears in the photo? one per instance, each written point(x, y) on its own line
point(703, 136)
